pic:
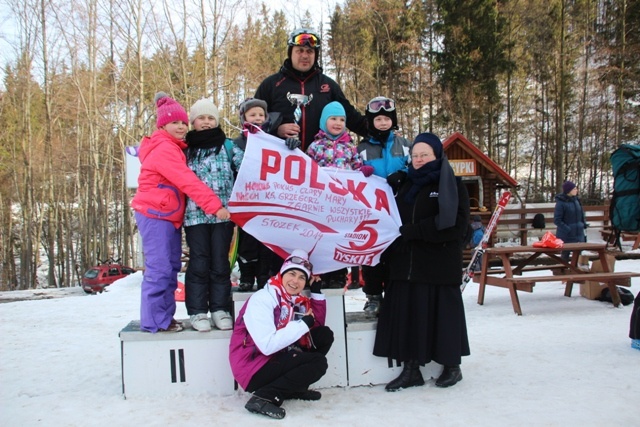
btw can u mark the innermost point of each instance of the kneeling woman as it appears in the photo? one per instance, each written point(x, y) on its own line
point(279, 342)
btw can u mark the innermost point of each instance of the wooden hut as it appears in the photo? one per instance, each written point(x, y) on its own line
point(481, 175)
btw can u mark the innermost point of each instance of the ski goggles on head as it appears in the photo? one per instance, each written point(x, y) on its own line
point(381, 103)
point(300, 261)
point(305, 39)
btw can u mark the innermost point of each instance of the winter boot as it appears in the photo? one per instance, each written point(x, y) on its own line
point(409, 377)
point(450, 376)
point(258, 405)
point(372, 306)
point(245, 287)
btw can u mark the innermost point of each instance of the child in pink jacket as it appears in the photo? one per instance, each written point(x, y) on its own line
point(159, 206)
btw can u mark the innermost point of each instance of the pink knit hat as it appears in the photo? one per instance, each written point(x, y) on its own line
point(169, 110)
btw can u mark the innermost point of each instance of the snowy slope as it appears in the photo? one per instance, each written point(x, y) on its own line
point(566, 362)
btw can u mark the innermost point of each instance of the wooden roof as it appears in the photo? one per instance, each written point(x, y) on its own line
point(457, 139)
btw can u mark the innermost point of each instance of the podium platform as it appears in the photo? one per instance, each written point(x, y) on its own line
point(192, 362)
point(185, 362)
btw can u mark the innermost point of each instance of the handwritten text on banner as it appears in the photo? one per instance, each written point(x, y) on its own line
point(286, 201)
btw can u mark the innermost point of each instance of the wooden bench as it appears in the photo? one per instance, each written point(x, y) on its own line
point(518, 221)
point(622, 278)
point(569, 271)
point(541, 267)
point(625, 236)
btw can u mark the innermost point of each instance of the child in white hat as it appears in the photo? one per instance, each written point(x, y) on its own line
point(213, 158)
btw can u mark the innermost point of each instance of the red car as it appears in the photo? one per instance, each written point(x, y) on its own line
point(100, 276)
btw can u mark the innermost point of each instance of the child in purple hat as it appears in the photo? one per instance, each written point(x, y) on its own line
point(568, 216)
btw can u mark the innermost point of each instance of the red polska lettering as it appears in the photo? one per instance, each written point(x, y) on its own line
point(294, 170)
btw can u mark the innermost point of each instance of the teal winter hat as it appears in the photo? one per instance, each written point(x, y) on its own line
point(332, 109)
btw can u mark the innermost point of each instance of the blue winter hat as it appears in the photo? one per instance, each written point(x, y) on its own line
point(568, 186)
point(332, 109)
point(430, 139)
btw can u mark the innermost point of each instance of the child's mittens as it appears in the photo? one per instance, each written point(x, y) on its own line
point(292, 143)
point(366, 170)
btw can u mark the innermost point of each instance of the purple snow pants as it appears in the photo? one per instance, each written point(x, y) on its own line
point(162, 248)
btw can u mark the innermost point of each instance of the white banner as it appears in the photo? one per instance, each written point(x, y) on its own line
point(286, 201)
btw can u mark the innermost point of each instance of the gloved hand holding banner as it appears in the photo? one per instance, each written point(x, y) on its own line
point(286, 201)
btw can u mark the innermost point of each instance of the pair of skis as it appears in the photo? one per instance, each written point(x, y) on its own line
point(478, 251)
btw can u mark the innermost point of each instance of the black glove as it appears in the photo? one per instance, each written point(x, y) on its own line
point(309, 320)
point(316, 287)
point(292, 143)
point(396, 179)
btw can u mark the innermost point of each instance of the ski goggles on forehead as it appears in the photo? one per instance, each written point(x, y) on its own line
point(300, 261)
point(306, 39)
point(378, 104)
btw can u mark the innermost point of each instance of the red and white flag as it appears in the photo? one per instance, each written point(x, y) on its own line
point(287, 202)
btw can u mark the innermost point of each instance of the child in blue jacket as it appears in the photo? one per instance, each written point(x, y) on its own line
point(388, 154)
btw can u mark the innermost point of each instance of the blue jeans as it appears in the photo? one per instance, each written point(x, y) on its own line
point(208, 279)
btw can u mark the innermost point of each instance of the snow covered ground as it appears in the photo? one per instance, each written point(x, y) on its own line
point(565, 362)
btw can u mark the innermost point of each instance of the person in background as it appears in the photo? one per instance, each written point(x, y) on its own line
point(568, 216)
point(476, 238)
point(422, 318)
point(159, 205)
point(279, 344)
point(213, 158)
point(388, 154)
point(301, 74)
point(255, 261)
point(333, 147)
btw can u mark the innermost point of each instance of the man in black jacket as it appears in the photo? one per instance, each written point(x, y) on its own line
point(302, 75)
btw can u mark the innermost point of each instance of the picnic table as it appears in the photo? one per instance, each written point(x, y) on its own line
point(519, 259)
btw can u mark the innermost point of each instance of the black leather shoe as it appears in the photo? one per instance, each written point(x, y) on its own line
point(450, 376)
point(409, 377)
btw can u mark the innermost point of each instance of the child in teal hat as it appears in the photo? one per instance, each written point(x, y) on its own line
point(333, 147)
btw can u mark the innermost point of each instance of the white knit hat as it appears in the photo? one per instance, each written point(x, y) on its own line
point(298, 260)
point(204, 107)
